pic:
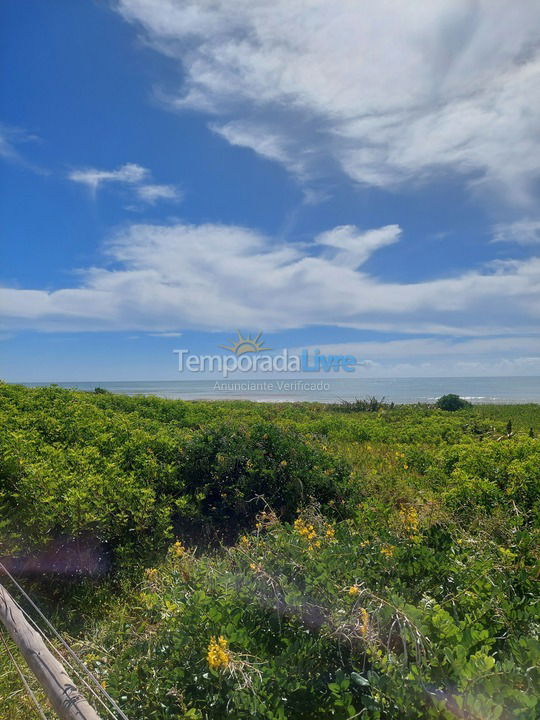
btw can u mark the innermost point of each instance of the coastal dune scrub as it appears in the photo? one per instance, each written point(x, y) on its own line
point(283, 562)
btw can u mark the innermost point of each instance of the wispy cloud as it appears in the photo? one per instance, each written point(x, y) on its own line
point(523, 232)
point(11, 138)
point(387, 92)
point(152, 193)
point(423, 357)
point(129, 174)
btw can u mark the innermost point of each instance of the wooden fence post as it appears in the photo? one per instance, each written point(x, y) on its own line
point(63, 695)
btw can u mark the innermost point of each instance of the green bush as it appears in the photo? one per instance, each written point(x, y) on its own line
point(312, 629)
point(231, 472)
point(452, 402)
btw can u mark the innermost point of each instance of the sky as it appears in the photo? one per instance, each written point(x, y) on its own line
point(361, 177)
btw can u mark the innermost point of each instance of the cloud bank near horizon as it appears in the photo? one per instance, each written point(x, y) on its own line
point(163, 278)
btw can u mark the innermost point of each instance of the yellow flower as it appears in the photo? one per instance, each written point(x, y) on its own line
point(178, 549)
point(219, 656)
point(409, 518)
point(307, 531)
point(353, 590)
point(364, 622)
point(330, 532)
point(244, 540)
point(405, 467)
point(388, 550)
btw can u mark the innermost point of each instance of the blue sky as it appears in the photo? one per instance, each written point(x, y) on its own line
point(359, 179)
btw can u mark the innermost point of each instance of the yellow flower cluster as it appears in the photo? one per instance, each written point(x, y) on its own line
point(178, 549)
point(306, 531)
point(354, 590)
point(409, 518)
point(364, 622)
point(388, 550)
point(219, 656)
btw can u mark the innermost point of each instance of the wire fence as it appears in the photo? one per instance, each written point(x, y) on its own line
point(65, 654)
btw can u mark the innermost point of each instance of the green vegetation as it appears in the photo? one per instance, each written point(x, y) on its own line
point(284, 561)
point(452, 402)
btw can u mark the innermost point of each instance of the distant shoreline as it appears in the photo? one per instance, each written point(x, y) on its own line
point(401, 391)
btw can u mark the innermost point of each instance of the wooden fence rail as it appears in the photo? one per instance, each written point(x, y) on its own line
point(60, 689)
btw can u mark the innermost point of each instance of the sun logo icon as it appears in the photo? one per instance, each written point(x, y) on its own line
point(246, 344)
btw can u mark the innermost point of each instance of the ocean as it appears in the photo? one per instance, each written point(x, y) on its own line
point(398, 390)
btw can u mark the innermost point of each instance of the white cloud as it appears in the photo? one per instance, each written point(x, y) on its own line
point(355, 247)
point(387, 91)
point(11, 138)
point(7, 149)
point(524, 232)
point(151, 193)
point(129, 174)
point(214, 277)
point(423, 357)
point(266, 142)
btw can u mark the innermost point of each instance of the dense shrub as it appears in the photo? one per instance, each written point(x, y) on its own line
point(74, 464)
point(370, 404)
point(452, 402)
point(230, 473)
